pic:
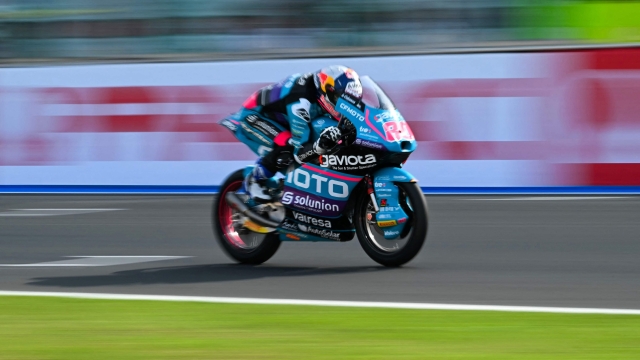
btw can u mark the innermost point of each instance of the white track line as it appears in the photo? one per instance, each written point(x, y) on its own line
point(97, 261)
point(50, 212)
point(551, 198)
point(362, 304)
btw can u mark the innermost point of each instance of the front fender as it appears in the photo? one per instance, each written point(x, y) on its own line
point(391, 218)
point(393, 174)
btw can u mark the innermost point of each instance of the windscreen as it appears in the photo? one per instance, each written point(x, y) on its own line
point(374, 96)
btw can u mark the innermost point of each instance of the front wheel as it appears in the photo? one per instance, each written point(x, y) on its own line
point(398, 251)
point(237, 241)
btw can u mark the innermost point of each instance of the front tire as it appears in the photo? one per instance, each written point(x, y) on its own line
point(253, 248)
point(397, 252)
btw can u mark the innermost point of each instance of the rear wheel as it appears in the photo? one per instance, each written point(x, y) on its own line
point(401, 250)
point(240, 243)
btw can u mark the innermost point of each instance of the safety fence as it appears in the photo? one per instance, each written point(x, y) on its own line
point(541, 121)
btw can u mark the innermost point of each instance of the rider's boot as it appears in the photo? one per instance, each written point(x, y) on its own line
point(255, 183)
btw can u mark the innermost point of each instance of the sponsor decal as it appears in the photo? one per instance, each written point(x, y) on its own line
point(311, 220)
point(399, 177)
point(308, 202)
point(383, 202)
point(355, 102)
point(301, 109)
point(387, 115)
point(383, 216)
point(327, 234)
point(266, 127)
point(387, 223)
point(368, 136)
point(351, 111)
point(389, 208)
point(402, 220)
point(354, 89)
point(288, 225)
point(251, 131)
point(348, 162)
point(369, 144)
point(318, 183)
point(229, 125)
point(251, 118)
point(304, 156)
point(391, 233)
point(382, 186)
point(349, 99)
point(320, 122)
point(287, 198)
point(313, 204)
point(364, 129)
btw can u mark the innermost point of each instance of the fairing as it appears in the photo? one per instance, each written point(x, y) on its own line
point(318, 194)
point(391, 218)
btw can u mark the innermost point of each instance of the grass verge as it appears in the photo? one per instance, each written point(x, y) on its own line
point(58, 328)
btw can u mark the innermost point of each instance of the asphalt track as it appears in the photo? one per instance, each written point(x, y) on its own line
point(492, 250)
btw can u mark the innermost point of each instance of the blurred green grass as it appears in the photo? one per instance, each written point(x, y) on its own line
point(58, 328)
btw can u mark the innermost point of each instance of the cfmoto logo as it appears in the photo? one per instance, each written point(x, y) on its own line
point(351, 111)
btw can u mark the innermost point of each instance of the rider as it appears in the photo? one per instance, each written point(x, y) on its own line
point(282, 112)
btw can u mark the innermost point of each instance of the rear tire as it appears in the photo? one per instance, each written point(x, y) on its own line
point(383, 251)
point(226, 232)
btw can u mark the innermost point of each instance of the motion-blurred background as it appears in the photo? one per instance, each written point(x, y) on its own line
point(129, 92)
point(84, 29)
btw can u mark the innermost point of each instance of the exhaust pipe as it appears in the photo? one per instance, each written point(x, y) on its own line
point(235, 202)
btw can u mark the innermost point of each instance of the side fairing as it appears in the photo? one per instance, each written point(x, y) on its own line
point(260, 146)
point(316, 191)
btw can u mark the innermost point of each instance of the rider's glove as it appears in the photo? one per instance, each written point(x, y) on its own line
point(328, 139)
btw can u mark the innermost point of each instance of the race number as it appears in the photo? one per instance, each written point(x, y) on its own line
point(397, 131)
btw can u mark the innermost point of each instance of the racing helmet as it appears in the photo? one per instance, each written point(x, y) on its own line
point(334, 81)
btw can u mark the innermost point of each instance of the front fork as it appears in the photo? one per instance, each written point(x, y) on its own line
point(372, 194)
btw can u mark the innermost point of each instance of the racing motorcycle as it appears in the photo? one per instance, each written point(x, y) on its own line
point(358, 189)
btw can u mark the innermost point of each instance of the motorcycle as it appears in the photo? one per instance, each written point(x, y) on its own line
point(358, 189)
